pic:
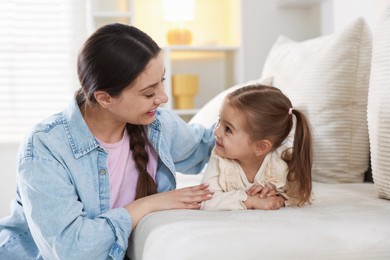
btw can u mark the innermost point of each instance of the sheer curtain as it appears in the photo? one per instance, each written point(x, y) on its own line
point(39, 40)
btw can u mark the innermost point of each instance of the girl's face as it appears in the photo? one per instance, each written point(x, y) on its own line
point(138, 102)
point(232, 141)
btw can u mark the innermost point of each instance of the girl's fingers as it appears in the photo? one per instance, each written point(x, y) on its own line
point(277, 202)
point(255, 189)
point(264, 192)
point(280, 201)
point(267, 192)
point(271, 193)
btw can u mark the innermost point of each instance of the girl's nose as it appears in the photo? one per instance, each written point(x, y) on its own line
point(216, 131)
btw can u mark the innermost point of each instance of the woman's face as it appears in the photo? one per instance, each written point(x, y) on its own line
point(138, 102)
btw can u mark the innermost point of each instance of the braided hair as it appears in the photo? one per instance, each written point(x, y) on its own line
point(110, 60)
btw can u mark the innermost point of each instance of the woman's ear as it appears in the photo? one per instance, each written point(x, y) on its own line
point(263, 147)
point(103, 98)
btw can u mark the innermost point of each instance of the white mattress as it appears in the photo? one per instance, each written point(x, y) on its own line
point(345, 221)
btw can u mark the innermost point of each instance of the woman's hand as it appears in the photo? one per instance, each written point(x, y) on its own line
point(184, 198)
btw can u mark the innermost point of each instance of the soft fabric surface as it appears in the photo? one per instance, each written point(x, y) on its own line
point(345, 221)
point(327, 77)
point(379, 107)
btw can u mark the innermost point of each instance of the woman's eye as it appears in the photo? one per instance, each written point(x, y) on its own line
point(163, 79)
point(150, 95)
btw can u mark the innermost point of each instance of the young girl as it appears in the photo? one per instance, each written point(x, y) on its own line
point(253, 165)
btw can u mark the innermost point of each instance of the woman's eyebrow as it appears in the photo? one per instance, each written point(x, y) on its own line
point(154, 85)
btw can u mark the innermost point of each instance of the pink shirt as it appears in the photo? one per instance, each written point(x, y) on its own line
point(123, 172)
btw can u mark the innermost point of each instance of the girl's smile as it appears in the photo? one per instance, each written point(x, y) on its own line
point(218, 144)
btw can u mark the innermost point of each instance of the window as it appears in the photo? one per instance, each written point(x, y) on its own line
point(39, 40)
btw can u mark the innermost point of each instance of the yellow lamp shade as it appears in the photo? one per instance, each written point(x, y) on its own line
point(179, 36)
point(184, 89)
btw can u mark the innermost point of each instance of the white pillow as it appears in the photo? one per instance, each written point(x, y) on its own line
point(327, 78)
point(379, 107)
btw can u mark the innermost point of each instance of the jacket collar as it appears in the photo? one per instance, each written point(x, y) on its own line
point(79, 136)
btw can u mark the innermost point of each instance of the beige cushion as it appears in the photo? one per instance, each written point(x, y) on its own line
point(379, 107)
point(327, 78)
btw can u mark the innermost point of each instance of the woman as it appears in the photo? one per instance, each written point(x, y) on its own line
point(87, 175)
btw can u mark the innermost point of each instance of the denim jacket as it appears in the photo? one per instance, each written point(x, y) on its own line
point(61, 209)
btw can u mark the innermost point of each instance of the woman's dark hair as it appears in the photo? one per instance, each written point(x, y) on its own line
point(268, 114)
point(110, 60)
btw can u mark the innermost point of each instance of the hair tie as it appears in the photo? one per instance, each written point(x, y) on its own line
point(290, 111)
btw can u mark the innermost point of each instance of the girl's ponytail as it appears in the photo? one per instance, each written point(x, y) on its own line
point(301, 158)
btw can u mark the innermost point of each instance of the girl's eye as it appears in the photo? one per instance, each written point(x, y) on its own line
point(228, 130)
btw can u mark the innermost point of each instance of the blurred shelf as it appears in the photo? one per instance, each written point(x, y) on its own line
point(210, 48)
point(111, 14)
point(297, 3)
point(181, 112)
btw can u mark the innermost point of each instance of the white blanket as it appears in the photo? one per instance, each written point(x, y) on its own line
point(345, 221)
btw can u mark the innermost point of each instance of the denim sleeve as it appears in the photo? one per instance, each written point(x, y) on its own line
point(190, 144)
point(61, 225)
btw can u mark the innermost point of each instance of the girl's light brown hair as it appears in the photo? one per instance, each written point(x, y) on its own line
point(266, 110)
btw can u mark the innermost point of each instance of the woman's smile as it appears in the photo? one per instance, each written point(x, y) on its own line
point(152, 112)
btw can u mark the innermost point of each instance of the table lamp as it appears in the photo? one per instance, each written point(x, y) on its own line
point(178, 12)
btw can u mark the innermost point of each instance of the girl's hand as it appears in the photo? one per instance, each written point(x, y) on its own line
point(270, 203)
point(261, 191)
point(185, 198)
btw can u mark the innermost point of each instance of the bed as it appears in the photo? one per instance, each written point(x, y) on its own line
point(342, 83)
